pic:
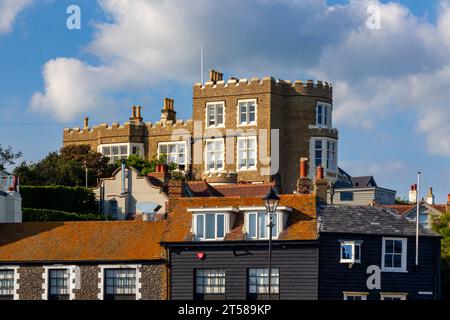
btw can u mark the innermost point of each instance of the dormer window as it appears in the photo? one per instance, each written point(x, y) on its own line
point(210, 224)
point(257, 220)
point(350, 251)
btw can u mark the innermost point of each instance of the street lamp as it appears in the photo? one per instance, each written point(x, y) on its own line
point(271, 201)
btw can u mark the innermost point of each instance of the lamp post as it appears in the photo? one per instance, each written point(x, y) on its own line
point(271, 201)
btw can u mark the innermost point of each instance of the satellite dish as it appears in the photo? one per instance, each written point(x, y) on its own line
point(148, 207)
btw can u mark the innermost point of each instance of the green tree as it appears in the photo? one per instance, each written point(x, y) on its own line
point(7, 156)
point(66, 168)
point(442, 226)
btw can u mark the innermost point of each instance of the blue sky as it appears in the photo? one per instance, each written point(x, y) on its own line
point(390, 84)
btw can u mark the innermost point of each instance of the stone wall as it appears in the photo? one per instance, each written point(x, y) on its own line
point(153, 281)
point(30, 282)
point(89, 283)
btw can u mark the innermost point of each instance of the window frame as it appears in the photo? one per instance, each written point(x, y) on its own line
point(362, 295)
point(101, 275)
point(111, 296)
point(325, 162)
point(247, 123)
point(246, 149)
point(177, 143)
point(354, 244)
point(120, 155)
point(72, 283)
point(326, 115)
point(404, 255)
point(215, 170)
point(203, 215)
point(221, 285)
point(275, 295)
point(215, 104)
point(277, 227)
point(393, 296)
point(15, 288)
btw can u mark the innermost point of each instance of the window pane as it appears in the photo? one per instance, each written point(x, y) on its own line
point(398, 246)
point(275, 225)
point(262, 225)
point(210, 226)
point(200, 226)
point(252, 225)
point(123, 150)
point(389, 246)
point(220, 225)
point(346, 251)
point(397, 261)
point(357, 251)
point(388, 261)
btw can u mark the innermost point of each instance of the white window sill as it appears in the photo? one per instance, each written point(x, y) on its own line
point(246, 169)
point(251, 124)
point(349, 261)
point(394, 271)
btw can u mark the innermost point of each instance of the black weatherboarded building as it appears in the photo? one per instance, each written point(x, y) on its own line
point(357, 241)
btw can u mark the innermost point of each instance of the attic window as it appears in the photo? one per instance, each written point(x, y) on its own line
point(350, 251)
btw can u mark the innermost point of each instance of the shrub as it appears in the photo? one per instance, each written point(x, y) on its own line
point(43, 215)
point(68, 199)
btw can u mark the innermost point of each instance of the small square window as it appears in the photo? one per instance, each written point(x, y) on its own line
point(350, 251)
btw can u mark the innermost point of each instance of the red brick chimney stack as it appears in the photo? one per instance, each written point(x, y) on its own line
point(303, 183)
point(448, 203)
point(320, 185)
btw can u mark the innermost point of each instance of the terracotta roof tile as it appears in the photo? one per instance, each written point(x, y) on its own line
point(440, 207)
point(81, 241)
point(301, 225)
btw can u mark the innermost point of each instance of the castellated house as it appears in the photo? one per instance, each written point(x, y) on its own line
point(242, 131)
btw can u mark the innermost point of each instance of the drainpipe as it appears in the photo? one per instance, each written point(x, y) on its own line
point(123, 176)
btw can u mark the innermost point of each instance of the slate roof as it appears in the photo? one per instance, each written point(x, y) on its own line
point(363, 182)
point(366, 220)
point(81, 241)
point(301, 224)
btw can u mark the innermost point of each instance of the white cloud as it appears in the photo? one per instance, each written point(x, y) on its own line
point(9, 9)
point(402, 67)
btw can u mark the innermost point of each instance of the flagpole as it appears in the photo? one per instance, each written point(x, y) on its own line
point(417, 217)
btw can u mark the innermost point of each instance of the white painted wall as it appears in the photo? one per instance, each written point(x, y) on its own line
point(138, 189)
point(10, 207)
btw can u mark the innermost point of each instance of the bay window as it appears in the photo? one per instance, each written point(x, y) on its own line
point(323, 151)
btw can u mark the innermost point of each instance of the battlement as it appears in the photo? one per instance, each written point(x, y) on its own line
point(263, 85)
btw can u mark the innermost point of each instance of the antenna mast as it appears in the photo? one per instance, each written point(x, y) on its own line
point(201, 64)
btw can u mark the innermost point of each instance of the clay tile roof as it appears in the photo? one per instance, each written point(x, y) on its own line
point(440, 207)
point(81, 241)
point(301, 224)
point(203, 189)
point(400, 208)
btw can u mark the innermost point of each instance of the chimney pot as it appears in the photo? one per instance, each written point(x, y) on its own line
point(86, 122)
point(133, 112)
point(215, 76)
point(303, 165)
point(139, 112)
point(448, 198)
point(319, 173)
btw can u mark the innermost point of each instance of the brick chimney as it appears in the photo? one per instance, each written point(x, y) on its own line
point(136, 115)
point(448, 203)
point(320, 185)
point(168, 111)
point(412, 197)
point(303, 183)
point(175, 188)
point(86, 122)
point(215, 76)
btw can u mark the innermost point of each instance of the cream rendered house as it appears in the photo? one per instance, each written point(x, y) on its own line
point(127, 193)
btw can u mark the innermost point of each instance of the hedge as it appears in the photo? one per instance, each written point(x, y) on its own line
point(42, 215)
point(61, 198)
